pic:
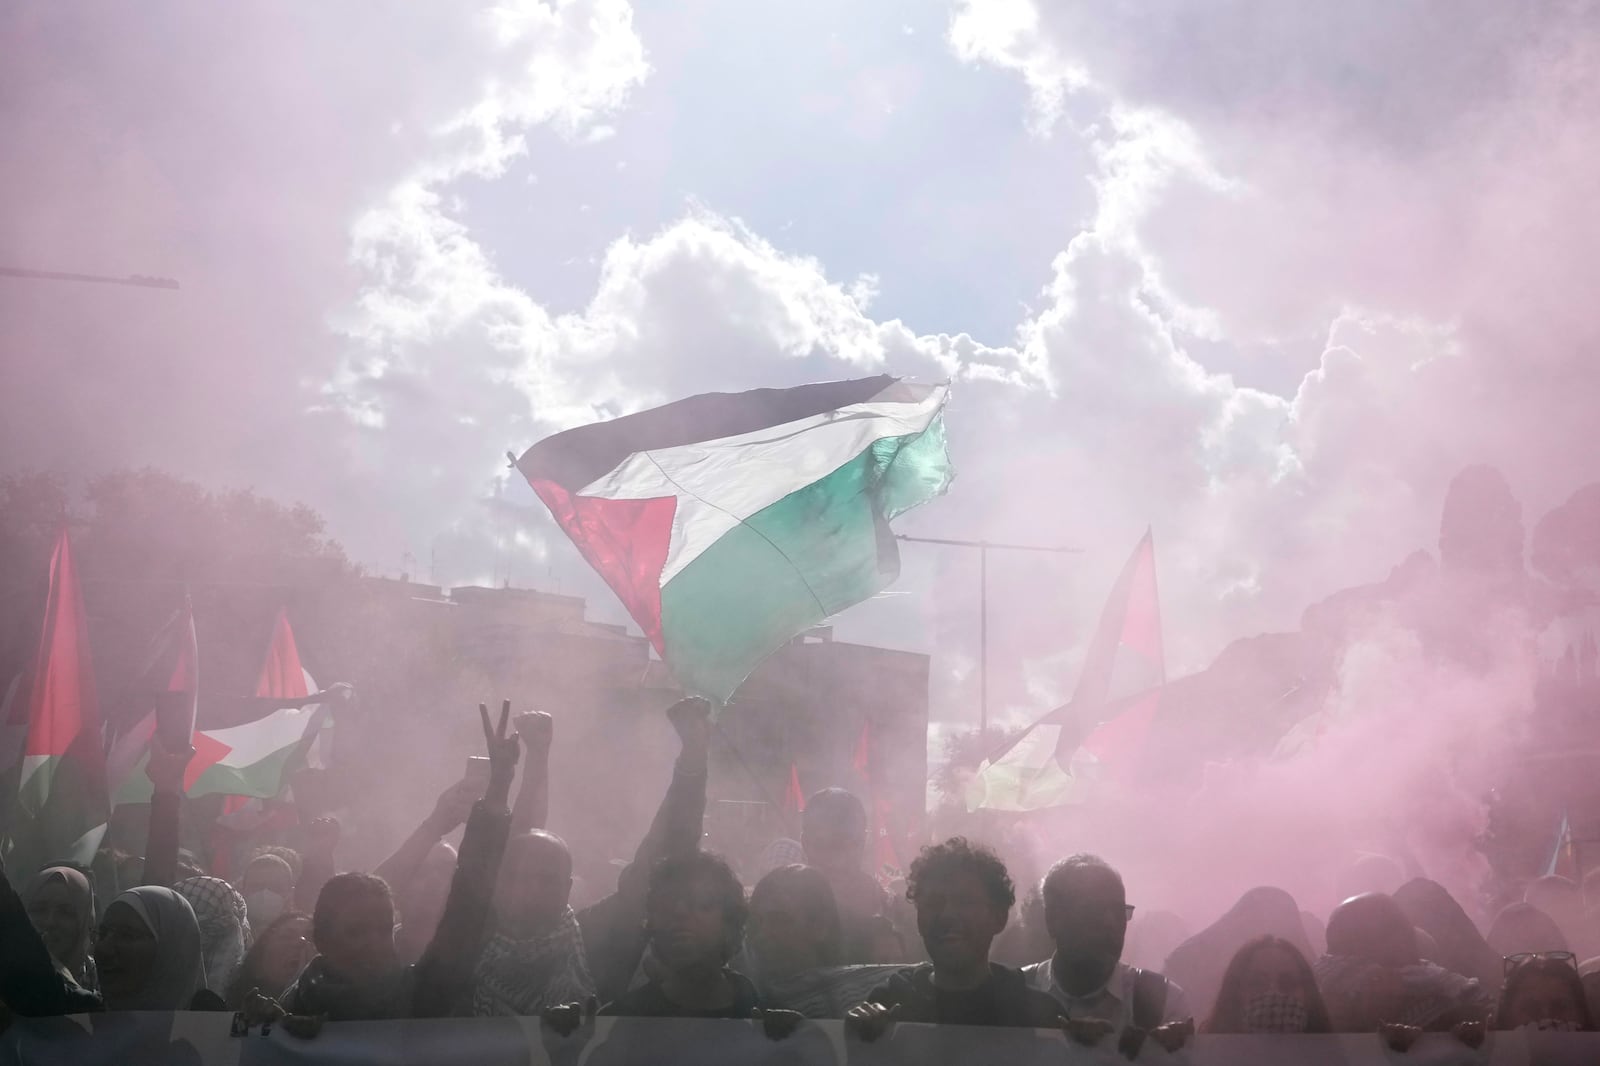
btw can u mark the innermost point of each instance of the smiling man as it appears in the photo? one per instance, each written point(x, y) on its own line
point(963, 896)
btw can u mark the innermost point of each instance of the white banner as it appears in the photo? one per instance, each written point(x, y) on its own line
point(208, 1040)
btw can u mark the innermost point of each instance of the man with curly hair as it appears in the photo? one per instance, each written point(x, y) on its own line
point(963, 896)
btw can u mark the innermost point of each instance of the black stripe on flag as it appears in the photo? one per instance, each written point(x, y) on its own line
point(578, 456)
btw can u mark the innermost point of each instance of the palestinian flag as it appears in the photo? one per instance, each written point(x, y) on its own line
point(1100, 735)
point(62, 808)
point(256, 758)
point(729, 523)
point(168, 685)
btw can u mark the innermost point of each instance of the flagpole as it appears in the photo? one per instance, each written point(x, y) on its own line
point(983, 547)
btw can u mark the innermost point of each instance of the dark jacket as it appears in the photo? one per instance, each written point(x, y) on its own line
point(431, 987)
point(1004, 1000)
point(648, 1001)
point(320, 992)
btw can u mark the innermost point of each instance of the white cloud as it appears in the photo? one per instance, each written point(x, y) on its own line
point(1393, 207)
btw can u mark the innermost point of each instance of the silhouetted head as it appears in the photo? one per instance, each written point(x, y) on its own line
point(694, 911)
point(833, 831)
point(1562, 899)
point(268, 888)
point(534, 884)
point(1086, 912)
point(353, 927)
point(794, 921)
point(1370, 874)
point(1374, 928)
point(1522, 927)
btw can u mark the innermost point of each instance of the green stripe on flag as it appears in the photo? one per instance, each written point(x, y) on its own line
point(820, 549)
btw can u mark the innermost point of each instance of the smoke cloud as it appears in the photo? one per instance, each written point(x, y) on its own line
point(1261, 276)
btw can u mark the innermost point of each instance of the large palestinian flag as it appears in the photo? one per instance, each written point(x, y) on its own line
point(729, 523)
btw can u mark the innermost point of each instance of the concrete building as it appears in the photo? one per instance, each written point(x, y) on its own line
point(840, 714)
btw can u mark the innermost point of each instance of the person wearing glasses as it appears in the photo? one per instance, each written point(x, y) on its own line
point(1086, 912)
point(1544, 992)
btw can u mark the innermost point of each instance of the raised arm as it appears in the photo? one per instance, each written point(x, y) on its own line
point(680, 820)
point(451, 809)
point(613, 927)
point(165, 770)
point(536, 729)
point(445, 969)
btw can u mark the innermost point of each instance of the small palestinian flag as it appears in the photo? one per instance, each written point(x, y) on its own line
point(61, 803)
point(1101, 734)
point(729, 523)
point(255, 758)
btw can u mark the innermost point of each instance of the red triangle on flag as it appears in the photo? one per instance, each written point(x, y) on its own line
point(208, 751)
point(282, 676)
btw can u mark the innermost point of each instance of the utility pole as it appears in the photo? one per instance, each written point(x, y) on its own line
point(984, 547)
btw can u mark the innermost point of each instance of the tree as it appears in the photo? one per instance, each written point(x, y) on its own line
point(143, 538)
point(151, 524)
point(964, 752)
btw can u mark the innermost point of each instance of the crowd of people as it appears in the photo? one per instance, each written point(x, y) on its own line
point(489, 929)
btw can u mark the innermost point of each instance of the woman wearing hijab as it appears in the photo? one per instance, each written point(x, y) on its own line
point(1198, 964)
point(224, 926)
point(60, 905)
point(1461, 948)
point(148, 953)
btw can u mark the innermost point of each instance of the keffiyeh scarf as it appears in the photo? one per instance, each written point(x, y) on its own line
point(1362, 995)
point(522, 977)
point(224, 926)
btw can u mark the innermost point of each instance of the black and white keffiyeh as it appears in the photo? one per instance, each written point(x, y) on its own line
point(524, 976)
point(1275, 1012)
point(224, 926)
